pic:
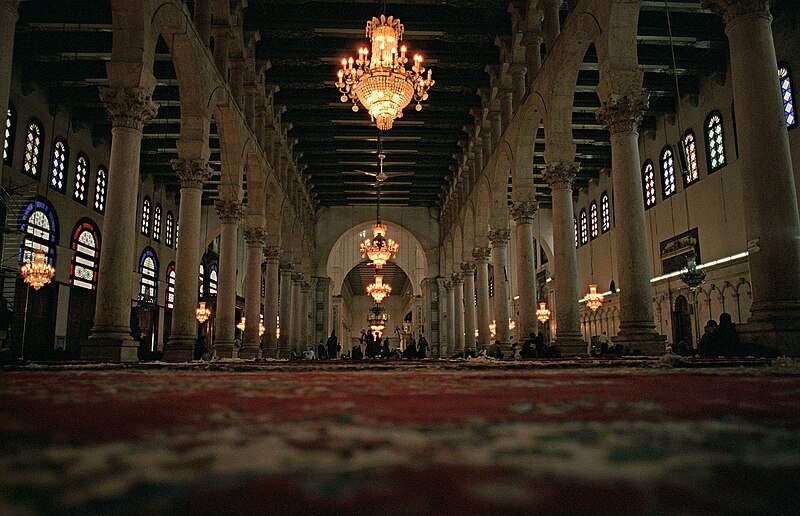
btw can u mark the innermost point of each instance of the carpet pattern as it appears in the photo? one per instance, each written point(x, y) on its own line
point(411, 439)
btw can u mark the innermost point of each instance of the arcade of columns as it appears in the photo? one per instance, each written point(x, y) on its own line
point(525, 92)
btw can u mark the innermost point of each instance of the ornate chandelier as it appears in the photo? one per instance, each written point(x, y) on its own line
point(38, 272)
point(543, 313)
point(377, 320)
point(202, 312)
point(382, 84)
point(379, 249)
point(378, 289)
point(493, 329)
point(594, 299)
point(693, 277)
point(241, 324)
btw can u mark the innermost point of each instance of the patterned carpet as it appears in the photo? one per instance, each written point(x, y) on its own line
point(477, 437)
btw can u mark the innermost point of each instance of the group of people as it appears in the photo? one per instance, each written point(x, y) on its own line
point(535, 347)
point(718, 340)
point(375, 346)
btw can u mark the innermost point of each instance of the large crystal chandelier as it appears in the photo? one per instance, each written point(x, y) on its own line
point(379, 249)
point(378, 289)
point(38, 272)
point(543, 313)
point(202, 312)
point(382, 83)
point(594, 299)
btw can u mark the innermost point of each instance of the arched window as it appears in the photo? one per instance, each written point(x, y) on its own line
point(40, 227)
point(213, 278)
point(575, 223)
point(148, 284)
point(668, 171)
point(157, 223)
point(202, 278)
point(8, 140)
point(584, 228)
point(690, 153)
point(594, 226)
point(58, 180)
point(787, 93)
point(100, 185)
point(715, 142)
point(86, 255)
point(177, 229)
point(145, 229)
point(170, 225)
point(32, 165)
point(81, 176)
point(649, 184)
point(170, 285)
point(605, 213)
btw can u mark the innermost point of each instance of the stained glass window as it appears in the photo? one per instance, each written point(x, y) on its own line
point(715, 142)
point(157, 223)
point(145, 228)
point(584, 228)
point(649, 184)
point(213, 278)
point(86, 256)
point(171, 285)
point(605, 213)
point(177, 229)
point(788, 96)
point(690, 149)
point(148, 284)
point(594, 227)
point(58, 180)
point(40, 228)
point(8, 140)
point(668, 171)
point(81, 176)
point(170, 225)
point(31, 165)
point(100, 185)
point(575, 223)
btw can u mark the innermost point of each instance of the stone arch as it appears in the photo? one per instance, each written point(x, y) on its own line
point(531, 131)
point(617, 47)
point(498, 181)
point(231, 154)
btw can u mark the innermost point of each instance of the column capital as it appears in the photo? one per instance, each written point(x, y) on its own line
point(255, 237)
point(305, 286)
point(731, 10)
point(468, 268)
point(229, 212)
point(482, 254)
point(272, 254)
point(192, 173)
point(499, 237)
point(623, 113)
point(128, 107)
point(560, 175)
point(286, 267)
point(517, 69)
point(458, 279)
point(523, 212)
point(448, 286)
point(297, 277)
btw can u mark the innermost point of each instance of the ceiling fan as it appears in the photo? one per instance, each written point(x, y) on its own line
point(380, 176)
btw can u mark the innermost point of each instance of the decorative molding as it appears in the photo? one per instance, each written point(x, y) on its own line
point(192, 173)
point(731, 10)
point(560, 175)
point(623, 113)
point(128, 107)
point(229, 212)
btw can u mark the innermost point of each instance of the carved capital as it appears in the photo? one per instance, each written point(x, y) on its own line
point(298, 277)
point(229, 212)
point(623, 113)
point(499, 237)
point(730, 10)
point(468, 268)
point(448, 286)
point(523, 212)
point(255, 237)
point(560, 175)
point(482, 254)
point(128, 107)
point(272, 254)
point(192, 173)
point(458, 279)
point(286, 267)
point(305, 286)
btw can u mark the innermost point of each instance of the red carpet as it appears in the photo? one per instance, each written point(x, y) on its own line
point(406, 439)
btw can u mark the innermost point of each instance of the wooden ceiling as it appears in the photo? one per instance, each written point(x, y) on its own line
point(364, 273)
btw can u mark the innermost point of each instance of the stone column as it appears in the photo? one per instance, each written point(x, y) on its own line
point(499, 239)
point(129, 110)
point(449, 344)
point(552, 22)
point(523, 213)
point(270, 344)
point(304, 337)
point(237, 80)
point(458, 300)
point(230, 213)
point(251, 341)
point(294, 322)
point(496, 125)
point(192, 173)
point(621, 116)
point(518, 85)
point(568, 336)
point(486, 139)
point(222, 39)
point(285, 269)
point(8, 23)
point(506, 107)
point(470, 316)
point(772, 224)
point(202, 20)
point(482, 256)
point(532, 39)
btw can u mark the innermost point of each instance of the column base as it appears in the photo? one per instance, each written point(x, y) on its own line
point(646, 342)
point(570, 346)
point(225, 349)
point(250, 351)
point(781, 335)
point(111, 344)
point(269, 349)
point(180, 348)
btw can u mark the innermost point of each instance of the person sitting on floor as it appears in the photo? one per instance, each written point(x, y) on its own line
point(729, 342)
point(322, 352)
point(422, 346)
point(495, 351)
point(709, 342)
point(357, 354)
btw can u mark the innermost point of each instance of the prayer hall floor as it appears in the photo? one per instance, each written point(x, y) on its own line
point(630, 436)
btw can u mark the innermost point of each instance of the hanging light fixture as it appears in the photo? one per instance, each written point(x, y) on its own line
point(543, 313)
point(512, 324)
point(202, 312)
point(241, 324)
point(378, 289)
point(382, 83)
point(377, 319)
point(38, 272)
point(594, 299)
point(379, 249)
point(493, 329)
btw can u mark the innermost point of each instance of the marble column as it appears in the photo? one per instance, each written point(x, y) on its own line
point(129, 110)
point(230, 213)
point(552, 22)
point(496, 125)
point(621, 116)
point(270, 344)
point(499, 239)
point(295, 342)
point(483, 256)
point(192, 174)
point(771, 217)
point(523, 213)
point(236, 80)
point(517, 85)
point(222, 39)
point(470, 316)
point(304, 336)
point(8, 23)
point(506, 107)
point(532, 39)
point(449, 345)
point(285, 269)
point(202, 20)
point(458, 300)
point(568, 339)
point(251, 341)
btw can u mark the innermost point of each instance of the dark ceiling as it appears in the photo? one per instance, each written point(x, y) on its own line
point(364, 273)
point(304, 41)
